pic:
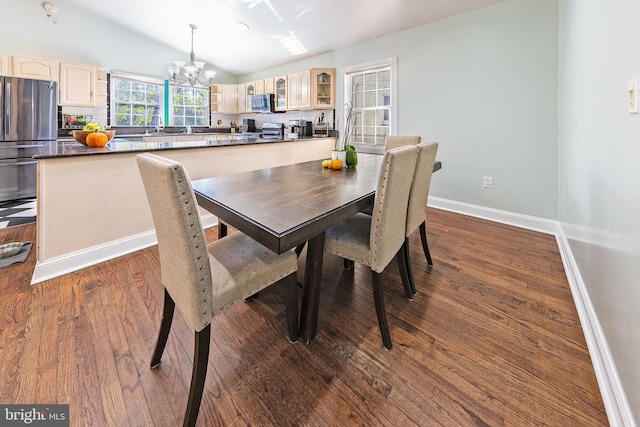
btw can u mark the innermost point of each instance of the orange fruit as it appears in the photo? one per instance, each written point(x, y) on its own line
point(336, 164)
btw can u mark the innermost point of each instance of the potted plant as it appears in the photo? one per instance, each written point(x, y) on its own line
point(343, 140)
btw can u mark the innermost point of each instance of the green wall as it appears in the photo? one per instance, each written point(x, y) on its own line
point(484, 84)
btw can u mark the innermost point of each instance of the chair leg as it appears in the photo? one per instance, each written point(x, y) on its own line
point(378, 297)
point(200, 362)
point(405, 269)
point(291, 295)
point(165, 326)
point(425, 247)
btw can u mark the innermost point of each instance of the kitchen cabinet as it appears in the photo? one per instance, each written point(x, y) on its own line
point(250, 90)
point(323, 88)
point(268, 85)
point(299, 90)
point(77, 84)
point(281, 93)
point(230, 99)
point(34, 68)
point(242, 98)
point(100, 99)
point(259, 87)
point(215, 99)
point(5, 64)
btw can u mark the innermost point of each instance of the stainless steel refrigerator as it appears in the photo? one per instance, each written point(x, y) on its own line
point(28, 118)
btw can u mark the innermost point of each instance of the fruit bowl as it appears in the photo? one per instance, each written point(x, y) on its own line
point(81, 135)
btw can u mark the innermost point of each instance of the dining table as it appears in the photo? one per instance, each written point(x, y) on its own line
point(285, 207)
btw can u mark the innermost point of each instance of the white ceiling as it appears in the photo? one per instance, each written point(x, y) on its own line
point(315, 26)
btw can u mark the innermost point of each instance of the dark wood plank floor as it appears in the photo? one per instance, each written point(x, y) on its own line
point(492, 338)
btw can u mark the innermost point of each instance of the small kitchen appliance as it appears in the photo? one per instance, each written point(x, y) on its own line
point(248, 125)
point(273, 131)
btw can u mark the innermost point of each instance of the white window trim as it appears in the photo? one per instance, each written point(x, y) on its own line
point(391, 62)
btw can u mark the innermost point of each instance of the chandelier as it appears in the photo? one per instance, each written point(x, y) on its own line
point(183, 74)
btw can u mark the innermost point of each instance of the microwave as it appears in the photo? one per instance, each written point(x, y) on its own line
point(262, 103)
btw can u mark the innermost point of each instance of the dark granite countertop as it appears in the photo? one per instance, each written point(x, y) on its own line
point(66, 148)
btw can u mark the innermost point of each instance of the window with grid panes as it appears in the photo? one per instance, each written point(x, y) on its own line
point(136, 102)
point(369, 91)
point(189, 106)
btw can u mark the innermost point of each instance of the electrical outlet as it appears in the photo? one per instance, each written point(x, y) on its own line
point(488, 182)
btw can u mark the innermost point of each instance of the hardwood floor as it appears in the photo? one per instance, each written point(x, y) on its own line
point(492, 338)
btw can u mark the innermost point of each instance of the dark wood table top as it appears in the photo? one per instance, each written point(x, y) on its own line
point(285, 206)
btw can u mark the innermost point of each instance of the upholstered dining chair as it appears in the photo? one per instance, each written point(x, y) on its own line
point(395, 141)
point(374, 240)
point(203, 280)
point(416, 211)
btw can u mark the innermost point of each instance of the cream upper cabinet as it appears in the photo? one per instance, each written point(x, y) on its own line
point(34, 68)
point(242, 98)
point(259, 87)
point(5, 64)
point(100, 100)
point(77, 84)
point(268, 85)
point(228, 99)
point(215, 95)
point(323, 88)
point(299, 90)
point(280, 92)
point(250, 90)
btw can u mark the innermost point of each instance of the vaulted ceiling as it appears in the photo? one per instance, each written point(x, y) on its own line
point(280, 31)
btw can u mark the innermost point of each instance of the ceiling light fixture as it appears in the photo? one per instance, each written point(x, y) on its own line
point(191, 71)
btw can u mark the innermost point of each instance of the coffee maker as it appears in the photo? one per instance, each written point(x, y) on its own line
point(248, 125)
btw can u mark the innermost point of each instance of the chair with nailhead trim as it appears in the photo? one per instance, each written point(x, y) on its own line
point(374, 240)
point(203, 280)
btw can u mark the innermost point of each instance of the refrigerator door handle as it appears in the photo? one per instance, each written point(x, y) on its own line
point(27, 162)
point(7, 106)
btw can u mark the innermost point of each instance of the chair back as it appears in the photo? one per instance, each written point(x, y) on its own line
point(184, 260)
point(420, 186)
point(395, 141)
point(388, 220)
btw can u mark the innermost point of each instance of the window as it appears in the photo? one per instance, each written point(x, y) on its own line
point(189, 106)
point(138, 100)
point(370, 90)
point(135, 100)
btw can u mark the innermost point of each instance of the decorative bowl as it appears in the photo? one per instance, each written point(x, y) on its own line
point(81, 135)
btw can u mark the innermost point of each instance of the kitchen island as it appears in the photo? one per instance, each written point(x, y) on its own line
point(92, 206)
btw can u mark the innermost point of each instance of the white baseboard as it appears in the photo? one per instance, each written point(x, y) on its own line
point(55, 267)
point(613, 394)
point(504, 217)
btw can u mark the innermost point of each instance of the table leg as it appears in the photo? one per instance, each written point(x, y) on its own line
point(311, 291)
point(222, 229)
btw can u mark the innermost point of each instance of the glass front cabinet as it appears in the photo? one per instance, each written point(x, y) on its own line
point(281, 93)
point(323, 92)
